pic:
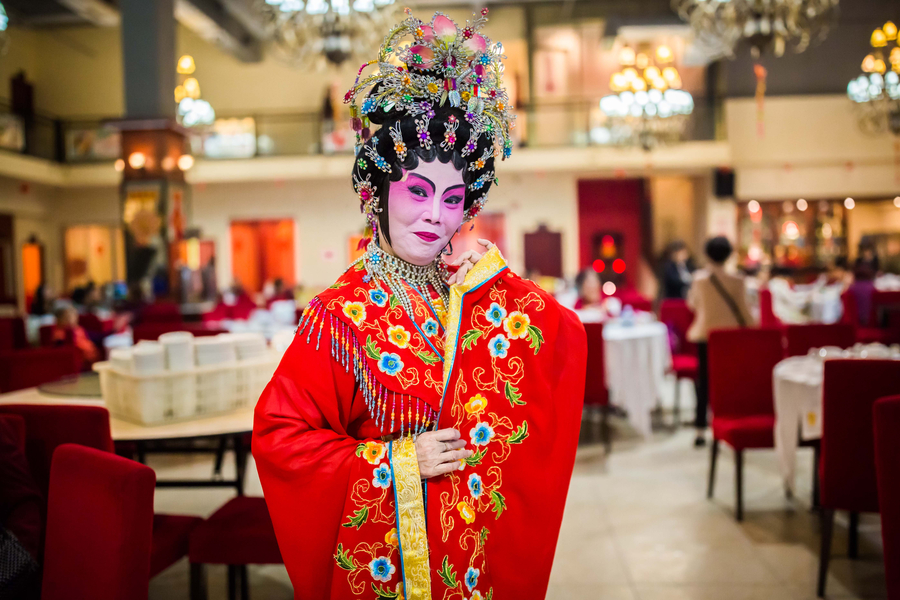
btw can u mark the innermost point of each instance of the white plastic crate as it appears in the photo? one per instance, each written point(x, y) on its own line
point(183, 395)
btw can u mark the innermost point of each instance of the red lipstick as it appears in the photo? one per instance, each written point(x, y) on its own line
point(426, 235)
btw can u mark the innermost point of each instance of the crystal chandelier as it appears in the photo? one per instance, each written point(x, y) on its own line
point(193, 111)
point(648, 107)
point(764, 24)
point(308, 32)
point(876, 91)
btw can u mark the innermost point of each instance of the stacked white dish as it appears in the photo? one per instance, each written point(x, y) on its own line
point(179, 347)
point(122, 359)
point(148, 358)
point(248, 346)
point(214, 350)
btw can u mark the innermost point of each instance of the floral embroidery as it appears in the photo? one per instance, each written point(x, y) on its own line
point(475, 486)
point(378, 297)
point(374, 452)
point(430, 327)
point(356, 311)
point(476, 404)
point(495, 314)
point(392, 539)
point(481, 434)
point(382, 476)
point(516, 325)
point(382, 569)
point(472, 578)
point(476, 595)
point(466, 512)
point(390, 363)
point(398, 336)
point(498, 346)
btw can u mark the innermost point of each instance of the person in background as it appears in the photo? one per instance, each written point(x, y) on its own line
point(677, 271)
point(40, 303)
point(279, 292)
point(68, 331)
point(718, 301)
point(865, 270)
point(788, 304)
point(587, 282)
point(839, 273)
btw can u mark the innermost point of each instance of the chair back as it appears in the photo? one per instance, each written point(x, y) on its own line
point(160, 312)
point(882, 302)
point(847, 466)
point(91, 322)
point(850, 315)
point(12, 334)
point(49, 426)
point(740, 371)
point(99, 527)
point(802, 338)
point(152, 331)
point(595, 391)
point(887, 467)
point(767, 316)
point(678, 317)
point(21, 369)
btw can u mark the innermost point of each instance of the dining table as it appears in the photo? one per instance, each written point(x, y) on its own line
point(177, 437)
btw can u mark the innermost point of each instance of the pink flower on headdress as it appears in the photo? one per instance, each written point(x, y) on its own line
point(445, 29)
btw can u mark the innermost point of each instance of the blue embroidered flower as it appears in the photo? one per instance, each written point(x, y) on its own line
point(472, 577)
point(430, 327)
point(382, 569)
point(481, 434)
point(475, 485)
point(495, 314)
point(391, 363)
point(382, 475)
point(378, 297)
point(368, 106)
point(497, 346)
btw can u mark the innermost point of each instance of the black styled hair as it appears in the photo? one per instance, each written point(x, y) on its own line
point(384, 145)
point(718, 249)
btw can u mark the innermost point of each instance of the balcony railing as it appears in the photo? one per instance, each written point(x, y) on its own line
point(541, 125)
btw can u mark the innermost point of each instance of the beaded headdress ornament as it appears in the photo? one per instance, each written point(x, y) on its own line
point(425, 65)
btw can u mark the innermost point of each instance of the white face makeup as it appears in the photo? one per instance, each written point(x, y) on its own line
point(425, 209)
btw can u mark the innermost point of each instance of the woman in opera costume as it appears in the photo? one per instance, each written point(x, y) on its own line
point(418, 437)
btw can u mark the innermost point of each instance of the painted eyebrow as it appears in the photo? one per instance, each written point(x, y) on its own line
point(453, 187)
point(425, 179)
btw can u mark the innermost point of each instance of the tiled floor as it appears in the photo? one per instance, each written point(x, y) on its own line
point(637, 527)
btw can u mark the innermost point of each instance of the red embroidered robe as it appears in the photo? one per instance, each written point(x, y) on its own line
point(352, 517)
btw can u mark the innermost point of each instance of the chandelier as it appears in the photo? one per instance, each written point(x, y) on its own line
point(763, 24)
point(4, 34)
point(321, 32)
point(876, 91)
point(193, 111)
point(647, 107)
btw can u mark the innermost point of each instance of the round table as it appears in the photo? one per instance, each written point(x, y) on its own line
point(231, 426)
point(637, 358)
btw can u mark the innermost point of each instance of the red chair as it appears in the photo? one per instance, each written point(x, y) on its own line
point(152, 331)
point(12, 334)
point(802, 338)
point(27, 368)
point(596, 394)
point(238, 534)
point(678, 317)
point(161, 312)
point(767, 318)
point(847, 469)
point(864, 334)
point(740, 396)
point(887, 467)
point(99, 527)
point(49, 426)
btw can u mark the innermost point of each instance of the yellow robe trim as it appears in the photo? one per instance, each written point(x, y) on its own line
point(490, 264)
point(411, 520)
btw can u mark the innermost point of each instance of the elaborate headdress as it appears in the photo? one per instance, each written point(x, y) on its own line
point(424, 67)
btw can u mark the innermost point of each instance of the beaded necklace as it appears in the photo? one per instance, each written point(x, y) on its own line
point(394, 272)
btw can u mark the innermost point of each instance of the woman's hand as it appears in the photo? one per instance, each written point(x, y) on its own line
point(466, 261)
point(439, 452)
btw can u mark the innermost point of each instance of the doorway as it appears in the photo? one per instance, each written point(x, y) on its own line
point(261, 252)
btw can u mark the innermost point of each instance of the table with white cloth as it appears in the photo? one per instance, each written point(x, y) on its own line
point(798, 405)
point(637, 358)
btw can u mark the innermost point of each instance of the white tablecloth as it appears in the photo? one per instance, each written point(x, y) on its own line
point(637, 357)
point(798, 409)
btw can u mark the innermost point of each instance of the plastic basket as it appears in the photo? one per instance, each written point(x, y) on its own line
point(169, 396)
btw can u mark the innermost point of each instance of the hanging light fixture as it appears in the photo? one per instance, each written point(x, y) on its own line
point(318, 32)
point(4, 24)
point(763, 24)
point(192, 110)
point(647, 108)
point(876, 91)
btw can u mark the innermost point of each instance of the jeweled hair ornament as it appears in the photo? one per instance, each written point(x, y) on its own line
point(399, 145)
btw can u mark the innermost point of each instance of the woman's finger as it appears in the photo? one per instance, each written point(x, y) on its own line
point(450, 446)
point(456, 455)
point(448, 468)
point(445, 435)
point(467, 255)
point(486, 243)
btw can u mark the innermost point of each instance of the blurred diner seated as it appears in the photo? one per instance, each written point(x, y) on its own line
point(278, 292)
point(718, 300)
point(590, 296)
point(677, 271)
point(865, 269)
point(67, 331)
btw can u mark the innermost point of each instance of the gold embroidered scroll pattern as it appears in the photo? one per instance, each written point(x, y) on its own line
point(411, 519)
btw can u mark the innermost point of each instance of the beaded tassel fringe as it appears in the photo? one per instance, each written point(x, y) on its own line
point(408, 414)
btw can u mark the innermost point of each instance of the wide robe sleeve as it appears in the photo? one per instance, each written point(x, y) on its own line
point(324, 475)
